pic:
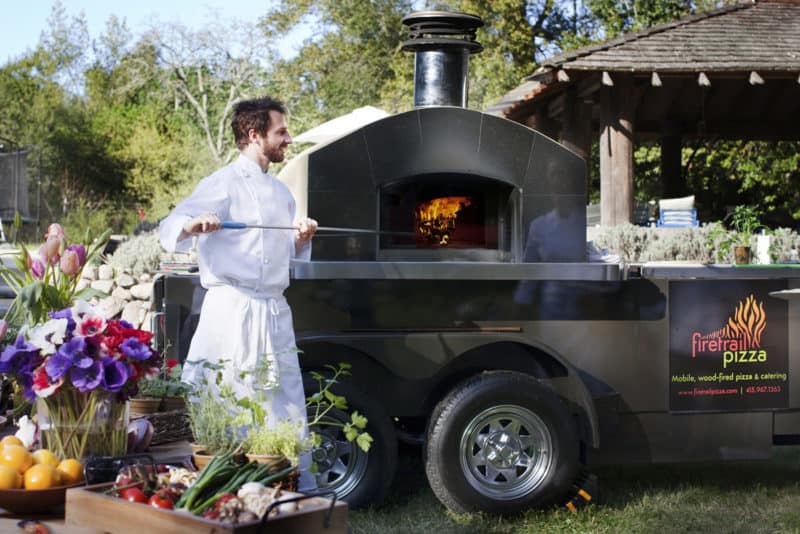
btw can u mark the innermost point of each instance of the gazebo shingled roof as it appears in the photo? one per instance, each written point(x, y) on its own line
point(732, 72)
point(752, 36)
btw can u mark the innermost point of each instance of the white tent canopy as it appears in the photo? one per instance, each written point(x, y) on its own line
point(341, 125)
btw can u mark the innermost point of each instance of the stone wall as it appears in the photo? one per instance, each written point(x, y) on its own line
point(128, 295)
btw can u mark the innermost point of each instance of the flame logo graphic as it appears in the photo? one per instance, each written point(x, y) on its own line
point(746, 324)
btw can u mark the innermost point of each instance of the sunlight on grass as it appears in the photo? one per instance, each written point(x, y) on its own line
point(732, 497)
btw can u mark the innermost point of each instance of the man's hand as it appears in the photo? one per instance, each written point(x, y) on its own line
point(306, 228)
point(202, 224)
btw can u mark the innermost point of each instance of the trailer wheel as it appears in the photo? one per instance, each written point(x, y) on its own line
point(501, 442)
point(357, 477)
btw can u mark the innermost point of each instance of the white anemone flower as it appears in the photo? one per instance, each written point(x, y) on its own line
point(81, 308)
point(27, 431)
point(48, 335)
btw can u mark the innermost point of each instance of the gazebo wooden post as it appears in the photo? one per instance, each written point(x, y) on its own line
point(616, 151)
point(576, 128)
point(672, 183)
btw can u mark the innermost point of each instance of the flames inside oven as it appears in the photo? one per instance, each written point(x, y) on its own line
point(435, 213)
point(435, 220)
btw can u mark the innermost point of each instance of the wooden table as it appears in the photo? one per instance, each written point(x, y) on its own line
point(56, 525)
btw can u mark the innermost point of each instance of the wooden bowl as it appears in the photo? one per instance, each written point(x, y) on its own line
point(22, 501)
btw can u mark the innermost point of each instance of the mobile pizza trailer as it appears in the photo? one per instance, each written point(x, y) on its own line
point(476, 327)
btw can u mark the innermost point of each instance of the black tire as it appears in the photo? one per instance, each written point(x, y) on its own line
point(501, 442)
point(361, 479)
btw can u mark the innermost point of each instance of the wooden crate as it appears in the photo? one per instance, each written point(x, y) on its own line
point(90, 507)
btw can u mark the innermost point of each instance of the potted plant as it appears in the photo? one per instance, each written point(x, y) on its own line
point(164, 392)
point(212, 417)
point(744, 221)
point(245, 425)
point(284, 438)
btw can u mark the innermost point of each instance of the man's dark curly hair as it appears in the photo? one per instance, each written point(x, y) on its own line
point(253, 115)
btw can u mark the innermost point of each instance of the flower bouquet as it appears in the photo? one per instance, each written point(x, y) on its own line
point(82, 368)
point(49, 282)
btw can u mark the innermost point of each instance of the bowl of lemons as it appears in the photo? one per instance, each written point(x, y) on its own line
point(34, 482)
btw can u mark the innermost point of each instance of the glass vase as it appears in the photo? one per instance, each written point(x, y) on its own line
point(77, 425)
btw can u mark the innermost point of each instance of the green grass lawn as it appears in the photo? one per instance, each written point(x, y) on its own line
point(703, 498)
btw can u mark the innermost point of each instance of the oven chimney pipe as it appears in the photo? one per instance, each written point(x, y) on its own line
point(442, 42)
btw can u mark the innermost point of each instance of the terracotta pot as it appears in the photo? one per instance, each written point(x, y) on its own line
point(741, 254)
point(169, 404)
point(276, 461)
point(197, 447)
point(201, 459)
point(144, 405)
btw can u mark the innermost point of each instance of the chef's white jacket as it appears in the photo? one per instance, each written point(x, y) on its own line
point(254, 261)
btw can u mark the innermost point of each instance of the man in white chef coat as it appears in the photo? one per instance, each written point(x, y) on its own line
point(245, 321)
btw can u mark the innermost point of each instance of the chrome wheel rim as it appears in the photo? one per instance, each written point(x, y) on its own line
point(506, 452)
point(340, 465)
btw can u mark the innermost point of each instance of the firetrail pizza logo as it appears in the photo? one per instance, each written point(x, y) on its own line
point(739, 341)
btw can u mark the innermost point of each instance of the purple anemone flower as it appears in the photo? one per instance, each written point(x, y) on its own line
point(87, 379)
point(70, 354)
point(115, 374)
point(18, 355)
point(135, 349)
point(80, 251)
point(65, 314)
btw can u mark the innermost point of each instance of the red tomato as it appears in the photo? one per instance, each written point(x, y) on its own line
point(160, 502)
point(133, 495)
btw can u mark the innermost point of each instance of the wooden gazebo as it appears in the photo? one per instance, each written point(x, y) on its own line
point(729, 73)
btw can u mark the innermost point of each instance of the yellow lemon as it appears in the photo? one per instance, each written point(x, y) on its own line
point(9, 478)
point(71, 471)
point(44, 456)
point(10, 440)
point(41, 476)
point(17, 457)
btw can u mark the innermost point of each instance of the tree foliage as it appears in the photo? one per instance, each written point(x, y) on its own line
point(128, 122)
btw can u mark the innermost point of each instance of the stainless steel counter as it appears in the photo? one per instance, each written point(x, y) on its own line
point(383, 270)
point(679, 270)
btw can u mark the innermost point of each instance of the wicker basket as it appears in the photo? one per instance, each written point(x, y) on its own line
point(169, 426)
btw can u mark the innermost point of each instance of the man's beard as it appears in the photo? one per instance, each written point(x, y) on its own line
point(276, 154)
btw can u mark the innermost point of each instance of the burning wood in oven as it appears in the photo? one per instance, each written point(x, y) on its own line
point(435, 219)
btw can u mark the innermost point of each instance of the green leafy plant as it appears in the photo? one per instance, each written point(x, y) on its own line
point(324, 400)
point(745, 220)
point(211, 416)
point(167, 383)
point(284, 438)
point(245, 424)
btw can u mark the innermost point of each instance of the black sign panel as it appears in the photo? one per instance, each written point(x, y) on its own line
point(727, 345)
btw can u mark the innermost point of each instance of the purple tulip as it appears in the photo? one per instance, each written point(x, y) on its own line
point(52, 249)
point(80, 250)
point(70, 263)
point(55, 229)
point(37, 269)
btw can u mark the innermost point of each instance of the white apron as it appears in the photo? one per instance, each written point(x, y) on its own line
point(246, 333)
